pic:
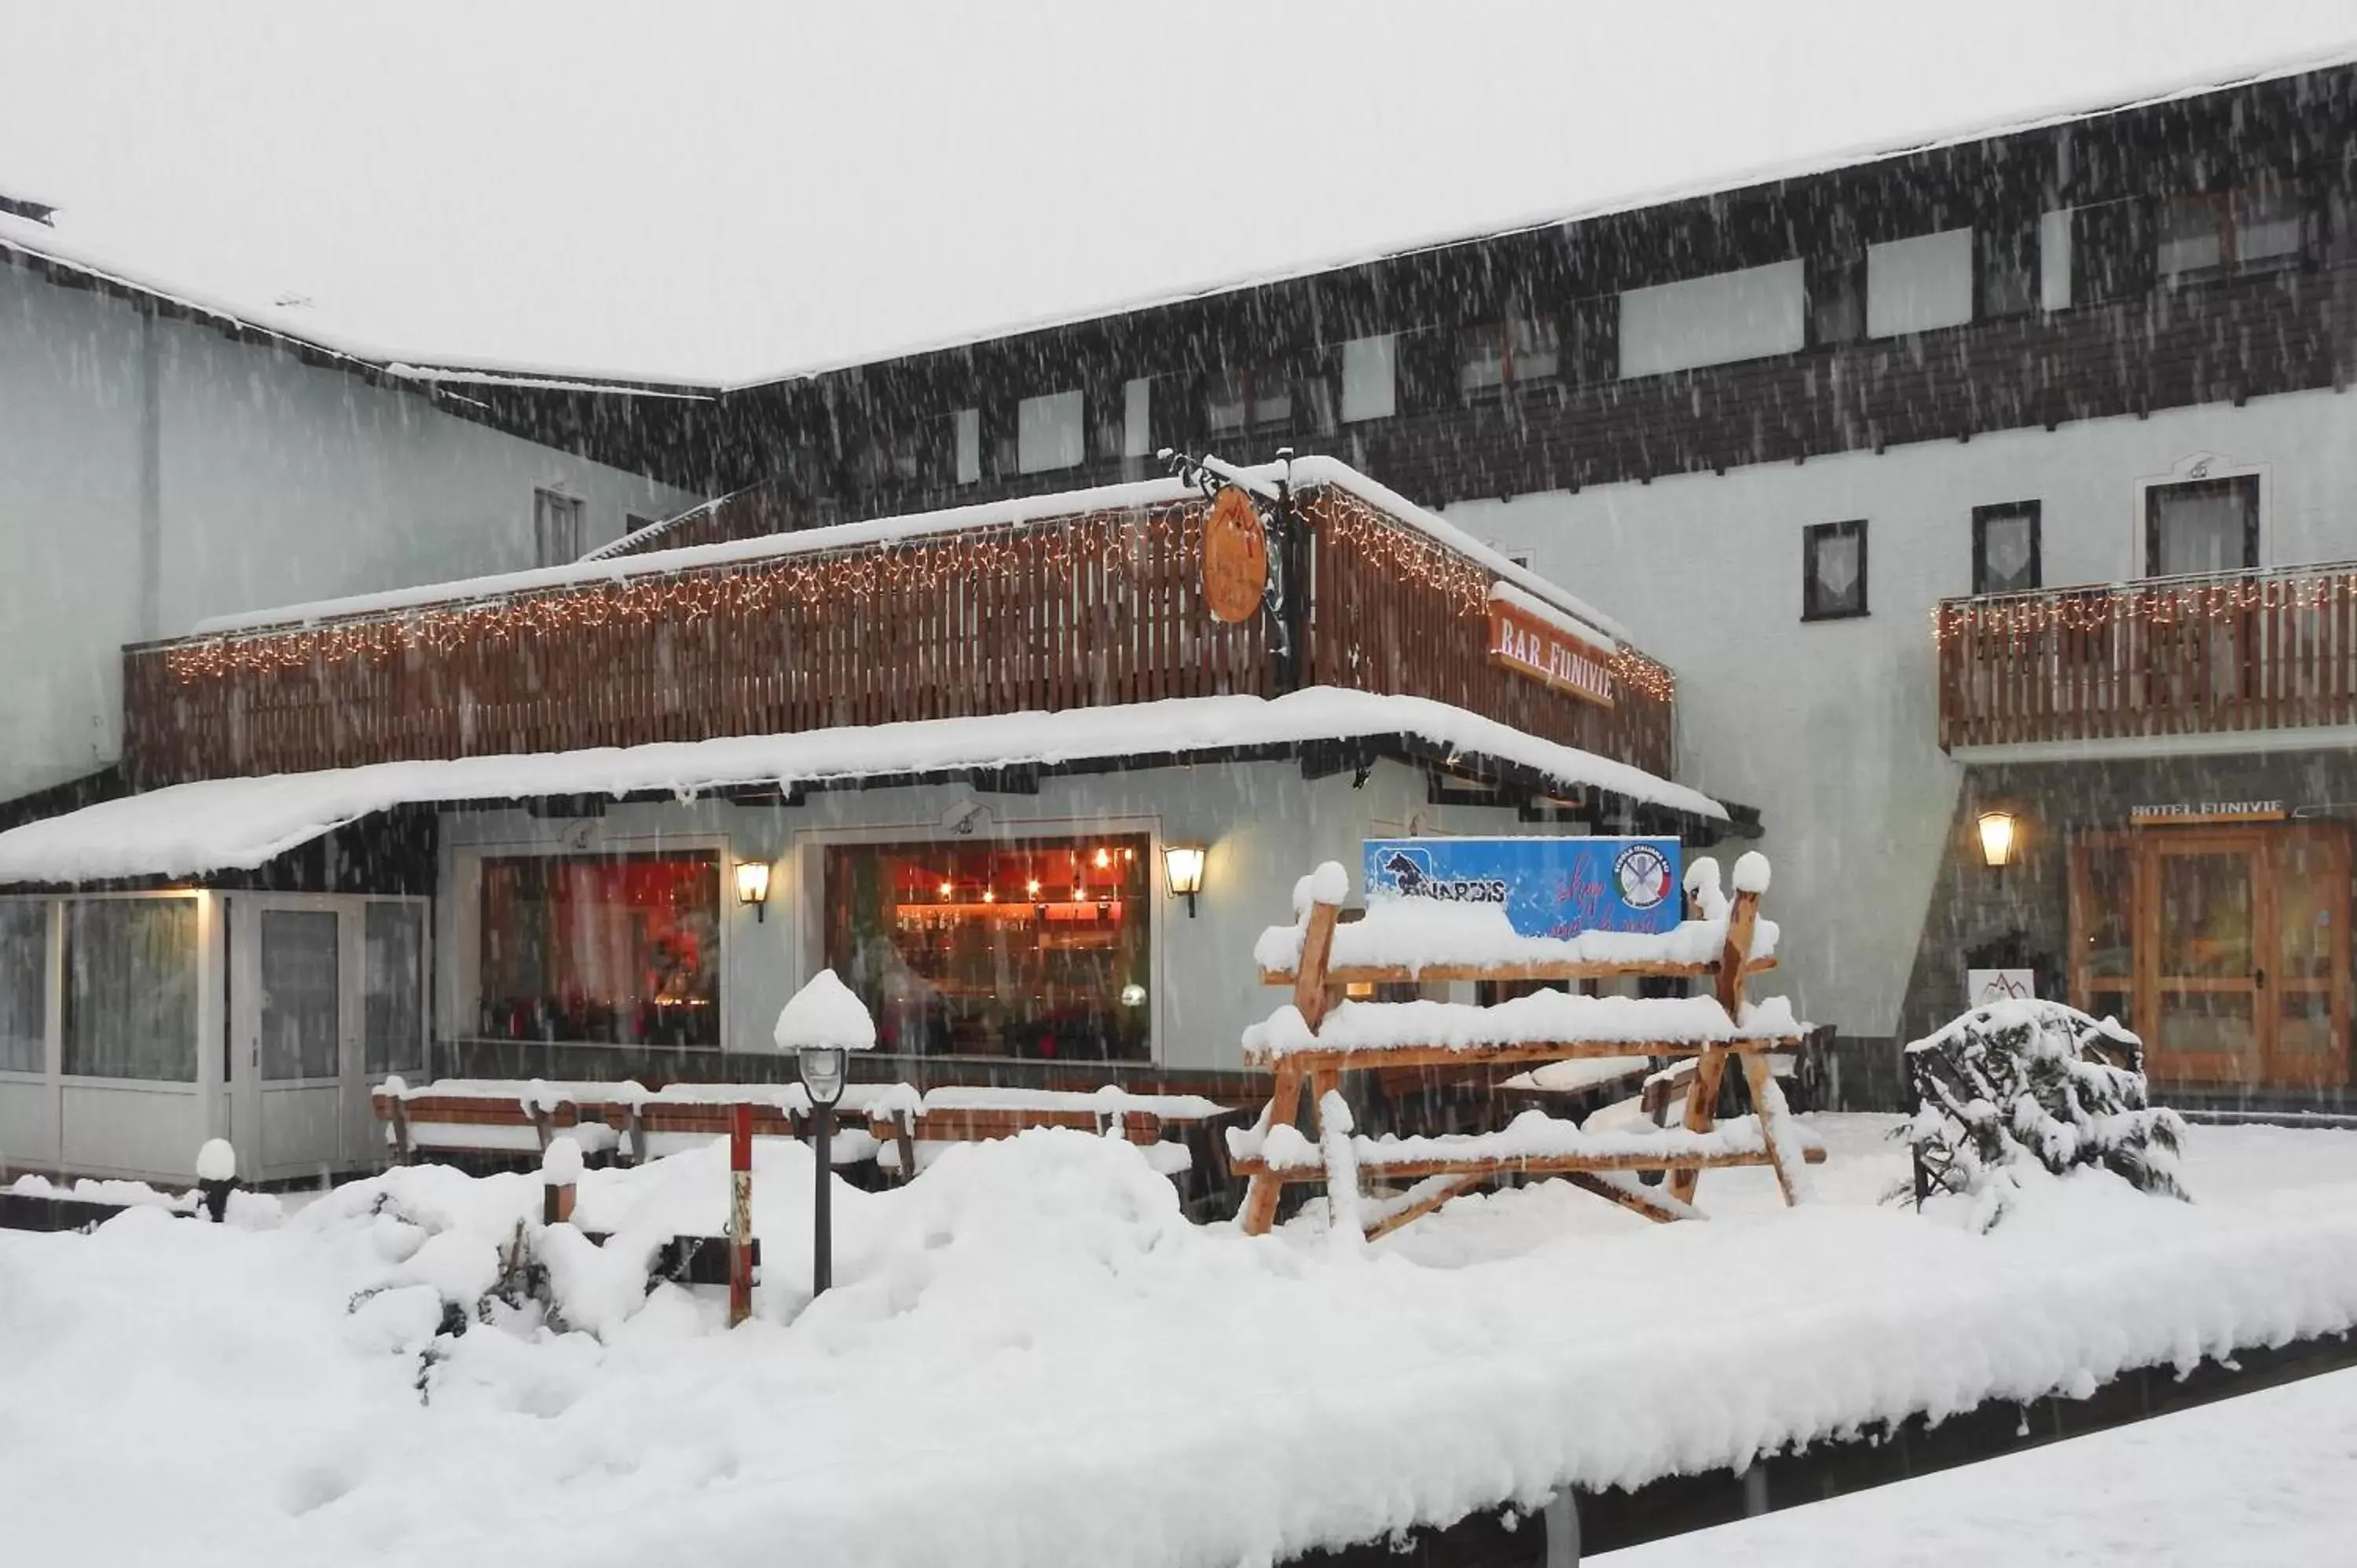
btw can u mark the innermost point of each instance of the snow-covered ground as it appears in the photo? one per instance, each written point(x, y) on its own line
point(1032, 1358)
point(2259, 1478)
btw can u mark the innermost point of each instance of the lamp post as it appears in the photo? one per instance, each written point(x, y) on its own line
point(1182, 872)
point(822, 1024)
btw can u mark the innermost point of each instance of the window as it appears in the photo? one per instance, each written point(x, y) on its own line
point(1031, 949)
point(2229, 231)
point(1510, 353)
point(968, 423)
point(2111, 252)
point(1048, 433)
point(393, 987)
point(1137, 415)
point(2207, 525)
point(1919, 284)
point(24, 986)
point(2055, 260)
point(556, 529)
point(621, 948)
point(2004, 548)
point(2009, 276)
point(1370, 379)
point(131, 989)
point(1247, 399)
point(1715, 320)
point(1833, 569)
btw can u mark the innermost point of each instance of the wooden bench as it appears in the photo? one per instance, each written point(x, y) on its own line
point(962, 1113)
point(504, 1116)
point(1328, 1043)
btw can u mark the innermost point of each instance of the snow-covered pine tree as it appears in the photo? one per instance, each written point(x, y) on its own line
point(2036, 1081)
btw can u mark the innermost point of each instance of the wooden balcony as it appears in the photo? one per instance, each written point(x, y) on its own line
point(2176, 656)
point(1074, 610)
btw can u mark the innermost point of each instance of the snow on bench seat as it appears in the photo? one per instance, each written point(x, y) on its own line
point(1579, 1075)
point(1532, 1142)
point(1544, 1023)
point(1110, 1101)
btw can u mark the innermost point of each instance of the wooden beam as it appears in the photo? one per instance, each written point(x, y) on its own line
point(1402, 974)
point(1421, 1204)
point(1528, 1164)
point(1635, 1199)
point(1702, 1098)
point(1261, 1193)
point(1313, 991)
point(1348, 1059)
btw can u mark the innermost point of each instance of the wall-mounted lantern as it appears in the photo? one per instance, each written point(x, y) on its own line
point(753, 887)
point(2000, 834)
point(1182, 866)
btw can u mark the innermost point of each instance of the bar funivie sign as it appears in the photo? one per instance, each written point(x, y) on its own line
point(1530, 645)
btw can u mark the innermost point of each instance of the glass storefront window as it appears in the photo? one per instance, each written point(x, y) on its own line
point(393, 987)
point(23, 952)
point(1036, 949)
point(131, 988)
point(622, 949)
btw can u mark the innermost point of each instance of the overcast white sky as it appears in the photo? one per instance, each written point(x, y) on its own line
point(728, 191)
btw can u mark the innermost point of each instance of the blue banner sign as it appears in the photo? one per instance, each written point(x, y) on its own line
point(1548, 886)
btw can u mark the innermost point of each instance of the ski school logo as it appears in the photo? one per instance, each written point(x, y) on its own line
point(1410, 873)
point(1643, 875)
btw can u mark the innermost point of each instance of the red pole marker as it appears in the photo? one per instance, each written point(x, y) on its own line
point(740, 1214)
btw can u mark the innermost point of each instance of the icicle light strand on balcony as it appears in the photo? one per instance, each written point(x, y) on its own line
point(1117, 543)
point(2094, 610)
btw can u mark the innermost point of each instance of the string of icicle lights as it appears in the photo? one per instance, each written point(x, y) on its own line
point(1121, 543)
point(1414, 558)
point(2182, 604)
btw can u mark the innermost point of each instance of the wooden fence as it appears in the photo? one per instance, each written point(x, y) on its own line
point(2245, 650)
point(1076, 611)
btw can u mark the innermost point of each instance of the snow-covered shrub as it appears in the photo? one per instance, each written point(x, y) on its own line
point(2023, 1082)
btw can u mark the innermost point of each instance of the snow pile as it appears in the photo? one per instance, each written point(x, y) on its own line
point(1030, 1356)
point(216, 1161)
point(1540, 1017)
point(1532, 1135)
point(824, 1013)
point(2018, 1085)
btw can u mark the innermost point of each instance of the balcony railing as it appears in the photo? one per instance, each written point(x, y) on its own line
point(1076, 610)
point(2171, 656)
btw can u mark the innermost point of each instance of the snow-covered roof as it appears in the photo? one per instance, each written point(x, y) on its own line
point(223, 824)
point(1306, 472)
point(865, 213)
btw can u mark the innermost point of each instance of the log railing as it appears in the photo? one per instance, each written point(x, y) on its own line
point(2230, 652)
point(1080, 610)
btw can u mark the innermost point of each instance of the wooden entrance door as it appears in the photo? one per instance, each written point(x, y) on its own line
point(2227, 949)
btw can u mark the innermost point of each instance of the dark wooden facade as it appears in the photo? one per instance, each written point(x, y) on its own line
point(873, 440)
point(2247, 651)
point(1060, 612)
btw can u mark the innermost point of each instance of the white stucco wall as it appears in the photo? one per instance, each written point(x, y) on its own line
point(1264, 824)
point(1830, 728)
point(237, 479)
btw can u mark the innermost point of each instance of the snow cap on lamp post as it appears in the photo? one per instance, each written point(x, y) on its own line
point(821, 1024)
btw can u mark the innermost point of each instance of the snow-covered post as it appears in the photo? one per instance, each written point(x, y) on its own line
point(560, 1177)
point(740, 1212)
point(822, 1024)
point(217, 1176)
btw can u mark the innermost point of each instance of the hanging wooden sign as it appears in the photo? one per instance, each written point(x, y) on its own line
point(1528, 644)
point(1235, 557)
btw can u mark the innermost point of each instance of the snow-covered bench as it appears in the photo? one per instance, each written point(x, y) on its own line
point(910, 1137)
point(636, 1123)
point(1321, 1036)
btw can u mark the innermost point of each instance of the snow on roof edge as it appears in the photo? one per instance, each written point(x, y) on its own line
point(223, 824)
point(604, 568)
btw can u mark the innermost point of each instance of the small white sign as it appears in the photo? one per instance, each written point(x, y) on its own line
point(1982, 986)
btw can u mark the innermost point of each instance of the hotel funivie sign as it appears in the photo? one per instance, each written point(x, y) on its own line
point(1528, 644)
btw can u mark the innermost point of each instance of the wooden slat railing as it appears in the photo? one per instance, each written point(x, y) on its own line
point(1080, 610)
point(2242, 650)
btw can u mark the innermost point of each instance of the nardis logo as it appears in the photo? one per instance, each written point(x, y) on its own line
point(1411, 876)
point(1643, 875)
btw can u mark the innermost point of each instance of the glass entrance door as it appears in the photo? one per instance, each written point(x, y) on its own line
point(2201, 944)
point(2228, 949)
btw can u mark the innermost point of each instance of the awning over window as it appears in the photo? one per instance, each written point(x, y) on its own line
point(224, 825)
